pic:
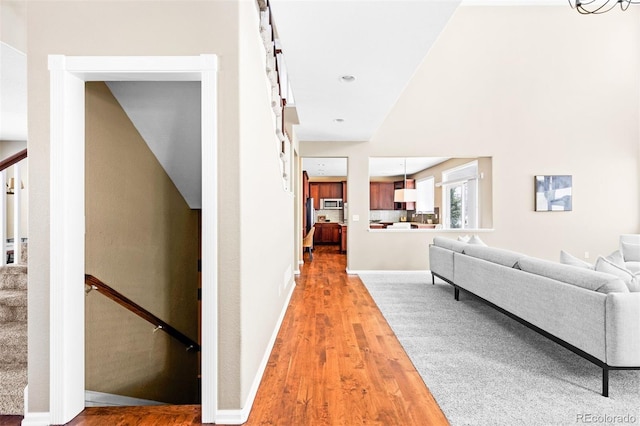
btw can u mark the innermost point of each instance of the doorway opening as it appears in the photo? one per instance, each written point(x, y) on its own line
point(325, 203)
point(67, 220)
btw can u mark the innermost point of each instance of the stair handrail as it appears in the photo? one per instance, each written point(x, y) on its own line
point(11, 160)
point(119, 298)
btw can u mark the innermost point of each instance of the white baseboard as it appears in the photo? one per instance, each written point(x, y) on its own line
point(238, 417)
point(36, 419)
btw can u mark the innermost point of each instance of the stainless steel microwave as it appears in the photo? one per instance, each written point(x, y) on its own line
point(331, 204)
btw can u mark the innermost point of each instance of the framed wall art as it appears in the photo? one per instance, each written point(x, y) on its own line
point(553, 193)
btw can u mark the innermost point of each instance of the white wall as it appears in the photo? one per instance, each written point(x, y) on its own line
point(542, 90)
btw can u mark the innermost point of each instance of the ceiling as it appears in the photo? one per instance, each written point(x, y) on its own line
point(167, 116)
point(378, 166)
point(380, 43)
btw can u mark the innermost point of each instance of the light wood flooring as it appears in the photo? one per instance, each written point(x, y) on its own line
point(335, 362)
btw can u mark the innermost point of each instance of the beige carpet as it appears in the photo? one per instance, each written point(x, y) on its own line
point(13, 339)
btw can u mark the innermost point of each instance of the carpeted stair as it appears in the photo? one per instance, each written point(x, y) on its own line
point(13, 338)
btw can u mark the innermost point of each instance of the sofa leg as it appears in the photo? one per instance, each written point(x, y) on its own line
point(433, 279)
point(456, 293)
point(605, 382)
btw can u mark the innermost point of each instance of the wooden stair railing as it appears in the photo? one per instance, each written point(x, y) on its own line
point(15, 158)
point(127, 303)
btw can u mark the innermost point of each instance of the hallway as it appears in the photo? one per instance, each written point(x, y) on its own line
point(335, 362)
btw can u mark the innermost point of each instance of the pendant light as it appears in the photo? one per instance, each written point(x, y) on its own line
point(405, 195)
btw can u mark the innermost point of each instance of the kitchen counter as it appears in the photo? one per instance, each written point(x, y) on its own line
point(414, 225)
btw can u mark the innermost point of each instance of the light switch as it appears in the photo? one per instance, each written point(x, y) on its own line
point(356, 218)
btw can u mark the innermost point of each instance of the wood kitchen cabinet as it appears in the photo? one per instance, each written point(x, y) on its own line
point(344, 191)
point(343, 239)
point(381, 195)
point(314, 192)
point(327, 233)
point(411, 184)
point(330, 189)
point(319, 190)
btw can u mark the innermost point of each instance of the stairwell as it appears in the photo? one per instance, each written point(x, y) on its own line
point(13, 338)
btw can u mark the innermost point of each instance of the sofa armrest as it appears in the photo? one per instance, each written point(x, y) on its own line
point(623, 329)
point(441, 262)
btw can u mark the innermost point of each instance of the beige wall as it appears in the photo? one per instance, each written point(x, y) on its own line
point(267, 241)
point(180, 27)
point(13, 17)
point(142, 240)
point(510, 83)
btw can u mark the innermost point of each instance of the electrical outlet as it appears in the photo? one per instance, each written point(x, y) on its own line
point(586, 254)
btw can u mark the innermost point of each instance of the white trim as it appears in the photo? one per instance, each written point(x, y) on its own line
point(209, 274)
point(36, 419)
point(17, 215)
point(33, 419)
point(66, 293)
point(66, 249)
point(238, 417)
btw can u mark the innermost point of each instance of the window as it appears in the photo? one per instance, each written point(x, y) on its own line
point(426, 195)
point(460, 196)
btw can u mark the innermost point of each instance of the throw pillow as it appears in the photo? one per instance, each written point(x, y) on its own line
point(632, 281)
point(568, 259)
point(464, 239)
point(631, 252)
point(476, 240)
point(616, 258)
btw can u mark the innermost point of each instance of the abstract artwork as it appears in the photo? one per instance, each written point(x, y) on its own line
point(553, 193)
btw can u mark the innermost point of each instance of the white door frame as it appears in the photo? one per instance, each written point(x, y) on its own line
point(68, 75)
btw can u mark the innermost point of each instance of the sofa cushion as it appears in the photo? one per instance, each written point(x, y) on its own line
point(630, 251)
point(634, 267)
point(450, 244)
point(495, 255)
point(605, 265)
point(568, 259)
point(581, 277)
point(616, 258)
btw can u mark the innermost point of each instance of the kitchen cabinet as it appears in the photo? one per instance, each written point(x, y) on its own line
point(330, 189)
point(344, 191)
point(320, 190)
point(305, 185)
point(381, 195)
point(343, 239)
point(411, 184)
point(314, 192)
point(327, 233)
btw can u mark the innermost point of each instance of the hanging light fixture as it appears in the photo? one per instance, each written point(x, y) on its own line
point(588, 7)
point(405, 195)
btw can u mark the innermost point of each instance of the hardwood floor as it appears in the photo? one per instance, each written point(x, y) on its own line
point(335, 362)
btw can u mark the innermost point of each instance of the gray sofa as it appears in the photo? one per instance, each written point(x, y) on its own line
point(591, 313)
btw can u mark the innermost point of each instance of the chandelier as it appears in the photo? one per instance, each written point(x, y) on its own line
point(588, 7)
